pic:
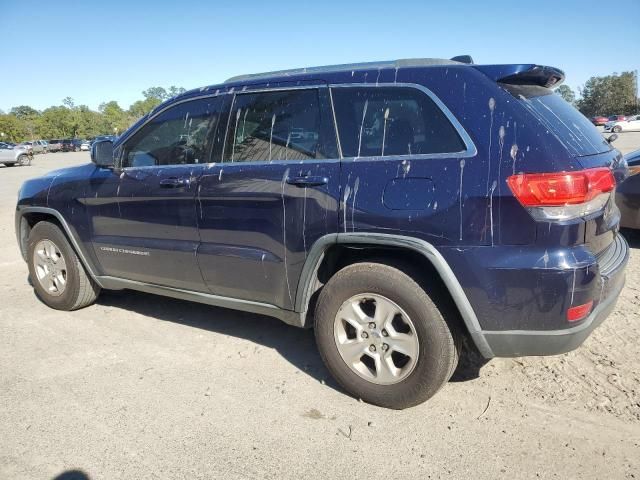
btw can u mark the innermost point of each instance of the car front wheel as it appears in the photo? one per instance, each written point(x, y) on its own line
point(382, 336)
point(58, 276)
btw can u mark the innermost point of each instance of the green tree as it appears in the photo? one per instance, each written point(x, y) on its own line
point(158, 93)
point(115, 119)
point(12, 127)
point(24, 112)
point(70, 120)
point(56, 122)
point(609, 95)
point(565, 92)
point(142, 107)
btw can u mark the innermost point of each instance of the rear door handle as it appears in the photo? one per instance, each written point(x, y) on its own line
point(174, 182)
point(308, 181)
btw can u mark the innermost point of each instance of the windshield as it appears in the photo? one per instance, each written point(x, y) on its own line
point(567, 124)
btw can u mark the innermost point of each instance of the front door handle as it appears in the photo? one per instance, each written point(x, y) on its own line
point(307, 181)
point(174, 182)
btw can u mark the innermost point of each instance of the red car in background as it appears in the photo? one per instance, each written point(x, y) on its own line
point(599, 120)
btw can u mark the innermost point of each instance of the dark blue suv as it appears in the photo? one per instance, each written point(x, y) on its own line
point(397, 207)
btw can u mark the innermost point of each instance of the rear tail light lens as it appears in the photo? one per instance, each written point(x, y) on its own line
point(563, 195)
point(577, 313)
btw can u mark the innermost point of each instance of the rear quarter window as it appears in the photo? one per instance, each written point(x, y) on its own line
point(390, 121)
point(571, 127)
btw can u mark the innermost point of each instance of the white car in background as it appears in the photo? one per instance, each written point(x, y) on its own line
point(11, 156)
point(631, 124)
point(85, 146)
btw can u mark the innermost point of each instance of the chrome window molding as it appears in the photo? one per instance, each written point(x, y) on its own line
point(470, 150)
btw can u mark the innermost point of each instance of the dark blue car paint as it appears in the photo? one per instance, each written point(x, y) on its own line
point(244, 232)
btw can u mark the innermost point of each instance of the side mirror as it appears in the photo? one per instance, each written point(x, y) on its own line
point(612, 138)
point(102, 153)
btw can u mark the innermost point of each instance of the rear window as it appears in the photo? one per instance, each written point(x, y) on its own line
point(387, 121)
point(573, 129)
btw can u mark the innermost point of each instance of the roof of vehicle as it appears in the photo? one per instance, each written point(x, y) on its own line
point(407, 62)
point(517, 73)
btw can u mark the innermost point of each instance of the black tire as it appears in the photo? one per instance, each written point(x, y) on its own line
point(80, 289)
point(439, 343)
point(616, 129)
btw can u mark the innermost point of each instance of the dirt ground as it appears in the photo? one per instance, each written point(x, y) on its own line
point(139, 386)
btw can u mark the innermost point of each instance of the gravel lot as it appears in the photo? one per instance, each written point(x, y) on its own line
point(139, 386)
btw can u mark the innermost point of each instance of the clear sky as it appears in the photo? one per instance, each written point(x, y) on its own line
point(99, 51)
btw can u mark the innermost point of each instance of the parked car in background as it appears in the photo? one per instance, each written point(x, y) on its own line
point(628, 193)
point(599, 120)
point(18, 155)
point(381, 214)
point(54, 145)
point(85, 146)
point(630, 124)
point(34, 147)
point(44, 144)
point(70, 145)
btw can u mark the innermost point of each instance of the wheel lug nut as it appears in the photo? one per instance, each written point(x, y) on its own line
point(365, 335)
point(385, 347)
point(385, 333)
point(372, 348)
point(372, 325)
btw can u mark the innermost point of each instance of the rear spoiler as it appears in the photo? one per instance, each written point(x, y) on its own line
point(523, 74)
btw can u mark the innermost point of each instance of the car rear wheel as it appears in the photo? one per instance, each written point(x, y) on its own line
point(382, 336)
point(58, 277)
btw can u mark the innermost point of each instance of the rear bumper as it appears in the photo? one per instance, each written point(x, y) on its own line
point(518, 343)
point(550, 342)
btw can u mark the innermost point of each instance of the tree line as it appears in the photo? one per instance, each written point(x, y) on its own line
point(609, 95)
point(79, 121)
point(615, 94)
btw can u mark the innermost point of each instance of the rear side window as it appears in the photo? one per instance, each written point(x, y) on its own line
point(385, 121)
point(278, 125)
point(178, 136)
point(573, 129)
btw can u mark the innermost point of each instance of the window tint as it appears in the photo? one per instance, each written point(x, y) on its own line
point(178, 136)
point(283, 125)
point(392, 121)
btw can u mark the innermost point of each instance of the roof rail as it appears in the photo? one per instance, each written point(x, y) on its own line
point(407, 62)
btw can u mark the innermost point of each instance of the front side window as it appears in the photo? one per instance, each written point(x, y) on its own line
point(178, 136)
point(387, 121)
point(278, 125)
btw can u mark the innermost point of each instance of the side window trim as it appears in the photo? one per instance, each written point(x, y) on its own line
point(120, 148)
point(327, 125)
point(470, 150)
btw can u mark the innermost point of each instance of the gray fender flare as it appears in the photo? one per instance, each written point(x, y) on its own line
point(316, 254)
point(75, 244)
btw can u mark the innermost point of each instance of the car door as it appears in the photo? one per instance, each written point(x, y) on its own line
point(274, 193)
point(143, 213)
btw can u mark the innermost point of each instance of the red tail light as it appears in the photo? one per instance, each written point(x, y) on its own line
point(561, 188)
point(578, 312)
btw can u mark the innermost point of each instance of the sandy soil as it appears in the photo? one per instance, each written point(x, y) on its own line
point(139, 386)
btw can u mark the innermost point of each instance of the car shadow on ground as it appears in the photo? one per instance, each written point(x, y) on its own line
point(296, 345)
